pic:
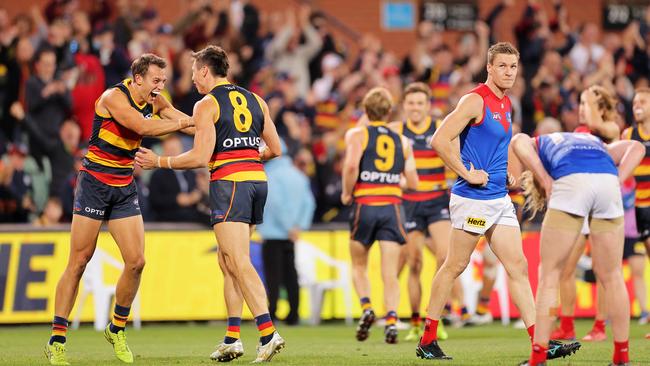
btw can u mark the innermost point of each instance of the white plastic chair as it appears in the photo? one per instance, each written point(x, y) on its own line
point(93, 283)
point(306, 258)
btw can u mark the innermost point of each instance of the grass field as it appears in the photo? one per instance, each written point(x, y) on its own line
point(332, 344)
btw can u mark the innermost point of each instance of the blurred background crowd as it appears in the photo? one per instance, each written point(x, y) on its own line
point(57, 59)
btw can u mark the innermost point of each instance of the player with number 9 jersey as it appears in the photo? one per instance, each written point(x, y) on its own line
point(375, 159)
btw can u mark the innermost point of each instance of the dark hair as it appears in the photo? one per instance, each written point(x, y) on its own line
point(141, 64)
point(215, 58)
point(43, 50)
point(501, 47)
point(643, 89)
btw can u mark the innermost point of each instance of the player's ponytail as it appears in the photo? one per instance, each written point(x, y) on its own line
point(533, 192)
point(606, 103)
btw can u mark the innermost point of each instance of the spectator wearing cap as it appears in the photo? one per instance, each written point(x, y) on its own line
point(16, 201)
point(289, 55)
point(48, 101)
point(326, 96)
point(289, 210)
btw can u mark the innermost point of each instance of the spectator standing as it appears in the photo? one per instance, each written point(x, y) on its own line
point(48, 101)
point(289, 55)
point(289, 210)
point(180, 184)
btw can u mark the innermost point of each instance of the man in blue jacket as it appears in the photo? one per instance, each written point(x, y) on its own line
point(289, 210)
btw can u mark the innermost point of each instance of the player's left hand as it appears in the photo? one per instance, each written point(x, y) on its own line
point(146, 158)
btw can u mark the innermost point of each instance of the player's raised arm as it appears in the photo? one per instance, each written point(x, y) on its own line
point(627, 155)
point(468, 110)
point(410, 171)
point(353, 153)
point(117, 105)
point(167, 111)
point(273, 149)
point(199, 155)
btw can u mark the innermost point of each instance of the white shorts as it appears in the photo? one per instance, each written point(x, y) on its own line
point(588, 195)
point(477, 216)
point(585, 227)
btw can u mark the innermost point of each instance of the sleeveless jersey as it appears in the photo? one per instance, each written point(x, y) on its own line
point(430, 167)
point(485, 145)
point(381, 164)
point(112, 147)
point(239, 130)
point(565, 153)
point(642, 172)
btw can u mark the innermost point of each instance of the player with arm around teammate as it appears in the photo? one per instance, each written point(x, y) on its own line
point(231, 122)
point(106, 191)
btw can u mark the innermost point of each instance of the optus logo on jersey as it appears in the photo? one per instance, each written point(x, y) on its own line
point(377, 177)
point(242, 141)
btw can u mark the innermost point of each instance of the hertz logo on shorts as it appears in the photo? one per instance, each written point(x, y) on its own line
point(473, 221)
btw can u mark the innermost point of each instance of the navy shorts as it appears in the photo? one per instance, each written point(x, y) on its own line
point(370, 223)
point(421, 214)
point(100, 201)
point(632, 247)
point(643, 222)
point(237, 201)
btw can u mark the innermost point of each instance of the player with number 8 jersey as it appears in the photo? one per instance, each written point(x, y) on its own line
point(236, 171)
point(231, 123)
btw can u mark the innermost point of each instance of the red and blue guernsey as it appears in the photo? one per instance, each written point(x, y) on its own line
point(484, 143)
point(565, 153)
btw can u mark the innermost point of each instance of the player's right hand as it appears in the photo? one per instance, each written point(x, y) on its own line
point(346, 199)
point(146, 158)
point(548, 188)
point(477, 177)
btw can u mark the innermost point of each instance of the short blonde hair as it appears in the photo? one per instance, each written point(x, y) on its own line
point(377, 104)
point(501, 48)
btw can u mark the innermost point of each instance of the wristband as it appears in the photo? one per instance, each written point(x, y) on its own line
point(158, 165)
point(169, 162)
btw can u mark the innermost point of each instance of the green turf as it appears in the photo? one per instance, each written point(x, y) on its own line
point(334, 344)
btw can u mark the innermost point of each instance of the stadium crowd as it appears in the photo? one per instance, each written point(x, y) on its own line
point(57, 60)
